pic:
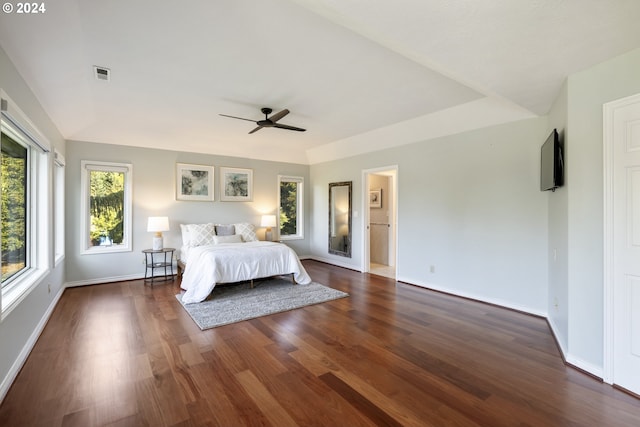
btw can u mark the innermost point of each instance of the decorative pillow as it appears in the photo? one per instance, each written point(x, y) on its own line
point(247, 231)
point(236, 238)
point(201, 234)
point(186, 240)
point(225, 230)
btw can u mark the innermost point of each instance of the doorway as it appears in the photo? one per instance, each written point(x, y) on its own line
point(380, 213)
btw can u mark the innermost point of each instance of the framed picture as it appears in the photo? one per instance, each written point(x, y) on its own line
point(236, 185)
point(375, 198)
point(194, 182)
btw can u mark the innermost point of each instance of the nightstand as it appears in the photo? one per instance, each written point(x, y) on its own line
point(161, 258)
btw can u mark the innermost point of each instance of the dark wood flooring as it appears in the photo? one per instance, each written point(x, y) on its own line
point(127, 354)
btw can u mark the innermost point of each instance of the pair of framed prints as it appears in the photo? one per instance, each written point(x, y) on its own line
point(196, 183)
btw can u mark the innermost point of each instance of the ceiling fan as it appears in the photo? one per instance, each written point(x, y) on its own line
point(269, 122)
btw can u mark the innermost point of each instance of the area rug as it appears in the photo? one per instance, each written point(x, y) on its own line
point(234, 303)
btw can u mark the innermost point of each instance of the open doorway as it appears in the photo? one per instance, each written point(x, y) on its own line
point(379, 220)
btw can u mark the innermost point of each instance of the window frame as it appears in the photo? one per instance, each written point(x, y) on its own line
point(299, 235)
point(59, 209)
point(16, 124)
point(85, 214)
point(16, 136)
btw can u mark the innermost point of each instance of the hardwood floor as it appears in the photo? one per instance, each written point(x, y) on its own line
point(126, 354)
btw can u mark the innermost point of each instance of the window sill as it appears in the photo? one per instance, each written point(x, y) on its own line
point(296, 237)
point(17, 292)
point(96, 250)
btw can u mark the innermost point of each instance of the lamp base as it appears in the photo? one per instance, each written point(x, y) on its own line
point(268, 235)
point(157, 243)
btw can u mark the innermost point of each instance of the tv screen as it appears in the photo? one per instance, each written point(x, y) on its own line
point(551, 163)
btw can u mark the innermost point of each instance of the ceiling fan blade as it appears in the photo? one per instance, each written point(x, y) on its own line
point(239, 118)
point(278, 116)
point(256, 129)
point(278, 125)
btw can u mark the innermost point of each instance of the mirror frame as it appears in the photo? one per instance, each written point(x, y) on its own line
point(349, 185)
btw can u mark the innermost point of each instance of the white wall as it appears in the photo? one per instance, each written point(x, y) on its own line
point(558, 302)
point(468, 204)
point(20, 329)
point(321, 175)
point(587, 92)
point(154, 195)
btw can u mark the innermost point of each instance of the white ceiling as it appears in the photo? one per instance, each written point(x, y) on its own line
point(359, 75)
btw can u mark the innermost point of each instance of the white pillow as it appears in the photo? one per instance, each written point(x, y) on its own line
point(184, 229)
point(247, 231)
point(201, 234)
point(235, 238)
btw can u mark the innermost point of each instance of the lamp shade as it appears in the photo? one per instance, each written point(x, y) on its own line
point(158, 224)
point(268, 221)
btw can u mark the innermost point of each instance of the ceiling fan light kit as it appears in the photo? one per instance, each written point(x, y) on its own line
point(269, 122)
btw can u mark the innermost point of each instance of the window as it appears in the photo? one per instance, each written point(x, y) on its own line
point(15, 221)
point(290, 192)
point(106, 207)
point(58, 204)
point(25, 245)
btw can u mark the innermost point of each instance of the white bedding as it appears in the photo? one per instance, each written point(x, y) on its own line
point(236, 262)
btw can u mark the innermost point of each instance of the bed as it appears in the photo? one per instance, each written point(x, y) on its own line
point(230, 258)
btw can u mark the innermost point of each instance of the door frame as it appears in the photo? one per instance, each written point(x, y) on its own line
point(393, 248)
point(608, 110)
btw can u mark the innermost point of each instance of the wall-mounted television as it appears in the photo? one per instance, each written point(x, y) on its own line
point(551, 163)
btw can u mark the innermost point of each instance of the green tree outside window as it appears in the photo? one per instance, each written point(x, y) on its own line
point(106, 208)
point(13, 216)
point(288, 208)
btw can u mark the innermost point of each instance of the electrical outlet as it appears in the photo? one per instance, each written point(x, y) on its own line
point(555, 303)
point(432, 269)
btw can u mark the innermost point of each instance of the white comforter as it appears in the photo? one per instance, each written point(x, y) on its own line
point(235, 262)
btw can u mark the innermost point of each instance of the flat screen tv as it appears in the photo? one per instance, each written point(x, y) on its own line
point(551, 163)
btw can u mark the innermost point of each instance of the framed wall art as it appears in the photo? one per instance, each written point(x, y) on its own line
point(236, 184)
point(194, 182)
point(375, 198)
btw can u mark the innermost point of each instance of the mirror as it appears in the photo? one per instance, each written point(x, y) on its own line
point(340, 218)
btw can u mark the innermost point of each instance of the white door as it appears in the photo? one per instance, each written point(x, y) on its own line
point(626, 244)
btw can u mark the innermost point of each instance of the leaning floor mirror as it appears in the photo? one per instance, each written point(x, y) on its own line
point(340, 218)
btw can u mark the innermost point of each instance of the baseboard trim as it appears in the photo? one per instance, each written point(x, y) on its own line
point(28, 347)
point(567, 358)
point(584, 367)
point(337, 263)
point(554, 333)
point(102, 280)
point(470, 296)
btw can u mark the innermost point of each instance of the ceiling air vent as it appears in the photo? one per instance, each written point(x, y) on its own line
point(102, 73)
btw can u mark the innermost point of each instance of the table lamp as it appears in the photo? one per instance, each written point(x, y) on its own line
point(268, 221)
point(158, 224)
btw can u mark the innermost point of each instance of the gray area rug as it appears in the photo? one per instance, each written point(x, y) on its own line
point(237, 302)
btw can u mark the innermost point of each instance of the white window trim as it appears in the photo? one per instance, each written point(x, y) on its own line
point(15, 123)
point(127, 169)
point(59, 205)
point(300, 208)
